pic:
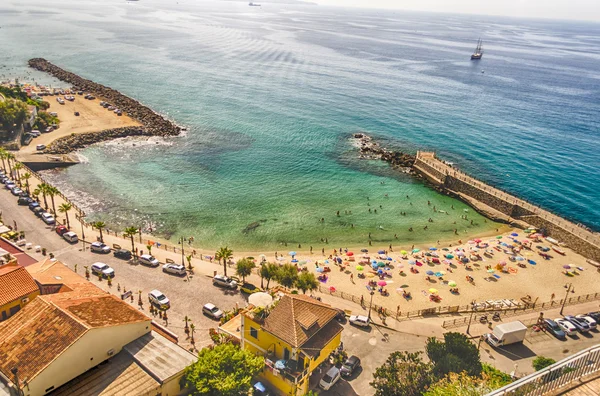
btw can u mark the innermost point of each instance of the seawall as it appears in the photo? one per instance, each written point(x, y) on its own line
point(502, 206)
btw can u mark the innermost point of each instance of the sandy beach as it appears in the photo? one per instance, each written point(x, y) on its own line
point(92, 118)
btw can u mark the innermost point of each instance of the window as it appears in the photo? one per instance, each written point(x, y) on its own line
point(254, 332)
point(14, 310)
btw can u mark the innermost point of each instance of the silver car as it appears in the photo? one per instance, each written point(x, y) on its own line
point(148, 260)
point(99, 247)
point(212, 311)
point(175, 269)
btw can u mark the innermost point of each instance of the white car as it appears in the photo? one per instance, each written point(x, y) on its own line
point(331, 377)
point(589, 320)
point(16, 191)
point(159, 299)
point(359, 320)
point(99, 247)
point(223, 281)
point(150, 261)
point(48, 218)
point(70, 237)
point(212, 311)
point(9, 185)
point(566, 326)
point(40, 147)
point(175, 269)
point(103, 269)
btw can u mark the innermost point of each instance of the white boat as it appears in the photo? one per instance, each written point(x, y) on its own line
point(558, 250)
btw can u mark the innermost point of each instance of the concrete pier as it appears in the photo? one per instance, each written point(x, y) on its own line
point(504, 207)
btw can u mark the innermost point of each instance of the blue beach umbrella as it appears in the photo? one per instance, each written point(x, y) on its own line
point(432, 248)
point(381, 252)
point(531, 262)
point(439, 274)
point(292, 254)
point(449, 256)
point(429, 272)
point(514, 234)
point(294, 261)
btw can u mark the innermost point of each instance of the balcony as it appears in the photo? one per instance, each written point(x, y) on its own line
point(286, 369)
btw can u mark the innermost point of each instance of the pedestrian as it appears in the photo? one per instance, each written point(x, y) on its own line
point(352, 278)
point(311, 250)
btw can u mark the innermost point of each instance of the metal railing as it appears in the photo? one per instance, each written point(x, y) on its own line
point(559, 375)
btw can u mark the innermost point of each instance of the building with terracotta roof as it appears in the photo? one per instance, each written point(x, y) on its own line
point(17, 289)
point(295, 336)
point(55, 277)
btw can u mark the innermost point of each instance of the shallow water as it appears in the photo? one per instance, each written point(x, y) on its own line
point(270, 96)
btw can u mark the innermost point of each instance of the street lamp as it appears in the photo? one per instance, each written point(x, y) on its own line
point(371, 303)
point(80, 218)
point(471, 318)
point(569, 289)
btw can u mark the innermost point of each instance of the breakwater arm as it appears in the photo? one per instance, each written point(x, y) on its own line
point(153, 124)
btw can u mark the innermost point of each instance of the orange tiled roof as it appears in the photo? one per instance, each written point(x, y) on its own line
point(15, 283)
point(47, 272)
point(296, 318)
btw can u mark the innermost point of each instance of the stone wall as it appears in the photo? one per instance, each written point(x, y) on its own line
point(480, 195)
point(70, 143)
point(433, 175)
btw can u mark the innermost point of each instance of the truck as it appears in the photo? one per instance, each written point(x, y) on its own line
point(506, 334)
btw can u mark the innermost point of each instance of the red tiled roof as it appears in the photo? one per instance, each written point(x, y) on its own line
point(22, 258)
point(15, 283)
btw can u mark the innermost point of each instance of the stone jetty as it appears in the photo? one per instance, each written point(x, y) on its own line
point(372, 150)
point(153, 124)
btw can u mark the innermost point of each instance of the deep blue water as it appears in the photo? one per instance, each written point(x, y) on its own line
point(271, 94)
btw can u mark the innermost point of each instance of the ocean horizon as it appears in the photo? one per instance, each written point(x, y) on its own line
point(271, 95)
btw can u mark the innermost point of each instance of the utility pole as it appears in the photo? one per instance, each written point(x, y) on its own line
point(470, 318)
point(371, 303)
point(569, 289)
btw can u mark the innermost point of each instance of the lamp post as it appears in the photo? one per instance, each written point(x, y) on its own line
point(470, 318)
point(569, 289)
point(80, 218)
point(371, 303)
point(182, 252)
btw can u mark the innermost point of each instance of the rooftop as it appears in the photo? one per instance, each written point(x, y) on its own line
point(48, 272)
point(15, 283)
point(22, 258)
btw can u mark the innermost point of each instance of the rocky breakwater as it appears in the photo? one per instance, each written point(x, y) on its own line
point(75, 142)
point(153, 123)
point(369, 149)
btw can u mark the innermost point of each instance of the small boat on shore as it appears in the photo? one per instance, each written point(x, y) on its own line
point(594, 263)
point(558, 250)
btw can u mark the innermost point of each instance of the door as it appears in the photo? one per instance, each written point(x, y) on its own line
point(286, 354)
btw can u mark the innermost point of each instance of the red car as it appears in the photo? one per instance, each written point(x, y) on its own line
point(61, 229)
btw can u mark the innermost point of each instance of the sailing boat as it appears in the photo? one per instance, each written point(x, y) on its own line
point(478, 51)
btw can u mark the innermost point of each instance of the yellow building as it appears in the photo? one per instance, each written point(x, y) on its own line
point(294, 337)
point(17, 288)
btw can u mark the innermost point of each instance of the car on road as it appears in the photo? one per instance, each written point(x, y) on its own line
point(249, 288)
point(16, 191)
point(158, 299)
point(553, 328)
point(61, 229)
point(48, 218)
point(148, 260)
point(566, 326)
point(70, 237)
point(580, 324)
point(122, 254)
point(589, 320)
point(99, 247)
point(350, 366)
point(212, 311)
point(40, 147)
point(359, 320)
point(24, 201)
point(175, 269)
point(331, 377)
point(103, 269)
point(223, 281)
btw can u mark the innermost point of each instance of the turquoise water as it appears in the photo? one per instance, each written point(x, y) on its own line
point(270, 96)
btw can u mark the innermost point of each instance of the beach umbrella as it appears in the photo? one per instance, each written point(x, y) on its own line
point(514, 234)
point(433, 291)
point(349, 254)
point(446, 249)
point(411, 262)
point(373, 261)
point(428, 254)
point(380, 271)
point(319, 269)
point(360, 267)
point(331, 288)
point(420, 264)
point(566, 266)
point(416, 250)
point(439, 274)
point(499, 237)
point(381, 252)
point(339, 260)
point(519, 258)
point(364, 250)
point(449, 256)
point(490, 271)
point(429, 272)
point(292, 253)
point(503, 263)
point(432, 248)
point(400, 266)
point(460, 254)
point(382, 283)
point(447, 261)
point(531, 262)
point(403, 252)
point(390, 259)
point(370, 275)
point(452, 284)
point(477, 240)
point(471, 242)
point(381, 264)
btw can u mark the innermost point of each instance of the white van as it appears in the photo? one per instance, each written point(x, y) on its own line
point(70, 237)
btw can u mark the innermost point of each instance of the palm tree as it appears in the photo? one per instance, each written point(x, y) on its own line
point(52, 191)
point(244, 268)
point(36, 194)
point(189, 261)
point(307, 281)
point(131, 232)
point(268, 271)
point(43, 188)
point(18, 166)
point(99, 225)
point(224, 254)
point(9, 156)
point(3, 153)
point(26, 177)
point(64, 208)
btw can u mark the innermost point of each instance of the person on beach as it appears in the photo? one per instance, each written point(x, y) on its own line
point(352, 278)
point(311, 250)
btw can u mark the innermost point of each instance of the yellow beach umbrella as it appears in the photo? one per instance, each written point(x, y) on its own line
point(433, 291)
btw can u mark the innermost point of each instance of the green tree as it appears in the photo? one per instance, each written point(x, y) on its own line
point(287, 275)
point(224, 370)
point(3, 154)
point(52, 191)
point(64, 208)
point(17, 168)
point(542, 362)
point(268, 271)
point(26, 177)
point(454, 355)
point(131, 232)
point(244, 268)
point(99, 225)
point(44, 120)
point(402, 374)
point(43, 189)
point(225, 254)
point(12, 112)
point(307, 281)
point(460, 385)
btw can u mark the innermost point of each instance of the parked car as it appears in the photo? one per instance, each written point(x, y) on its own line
point(103, 269)
point(175, 269)
point(350, 366)
point(10, 185)
point(40, 147)
point(223, 281)
point(553, 328)
point(566, 326)
point(359, 320)
point(35, 133)
point(38, 211)
point(331, 377)
point(70, 237)
point(249, 288)
point(259, 389)
point(159, 299)
point(61, 229)
point(212, 311)
point(148, 260)
point(99, 247)
point(24, 201)
point(122, 254)
point(581, 325)
point(33, 205)
point(594, 315)
point(589, 320)
point(16, 191)
point(48, 218)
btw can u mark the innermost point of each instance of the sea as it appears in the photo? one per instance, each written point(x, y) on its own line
point(272, 95)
